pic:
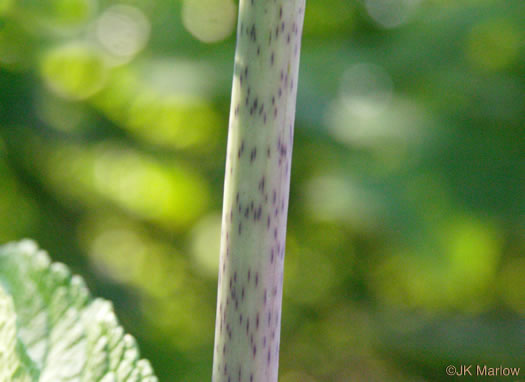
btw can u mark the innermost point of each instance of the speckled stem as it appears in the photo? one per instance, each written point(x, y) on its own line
point(256, 190)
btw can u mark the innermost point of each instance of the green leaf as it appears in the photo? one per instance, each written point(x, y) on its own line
point(15, 365)
point(52, 330)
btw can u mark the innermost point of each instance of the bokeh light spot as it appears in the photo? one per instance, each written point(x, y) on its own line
point(209, 20)
point(391, 13)
point(75, 71)
point(123, 31)
point(169, 297)
point(367, 89)
point(205, 244)
point(472, 247)
point(387, 129)
point(332, 197)
point(179, 77)
point(164, 103)
point(169, 195)
point(171, 121)
point(122, 250)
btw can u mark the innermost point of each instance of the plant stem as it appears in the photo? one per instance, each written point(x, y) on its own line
point(256, 190)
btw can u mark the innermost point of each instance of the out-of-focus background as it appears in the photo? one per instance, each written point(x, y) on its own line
point(405, 247)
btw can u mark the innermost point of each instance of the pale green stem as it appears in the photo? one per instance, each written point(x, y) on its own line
point(256, 190)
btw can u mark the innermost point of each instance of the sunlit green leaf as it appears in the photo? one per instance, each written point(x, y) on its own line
point(61, 332)
point(15, 365)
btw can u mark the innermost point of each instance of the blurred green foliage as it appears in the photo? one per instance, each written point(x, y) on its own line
point(405, 244)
